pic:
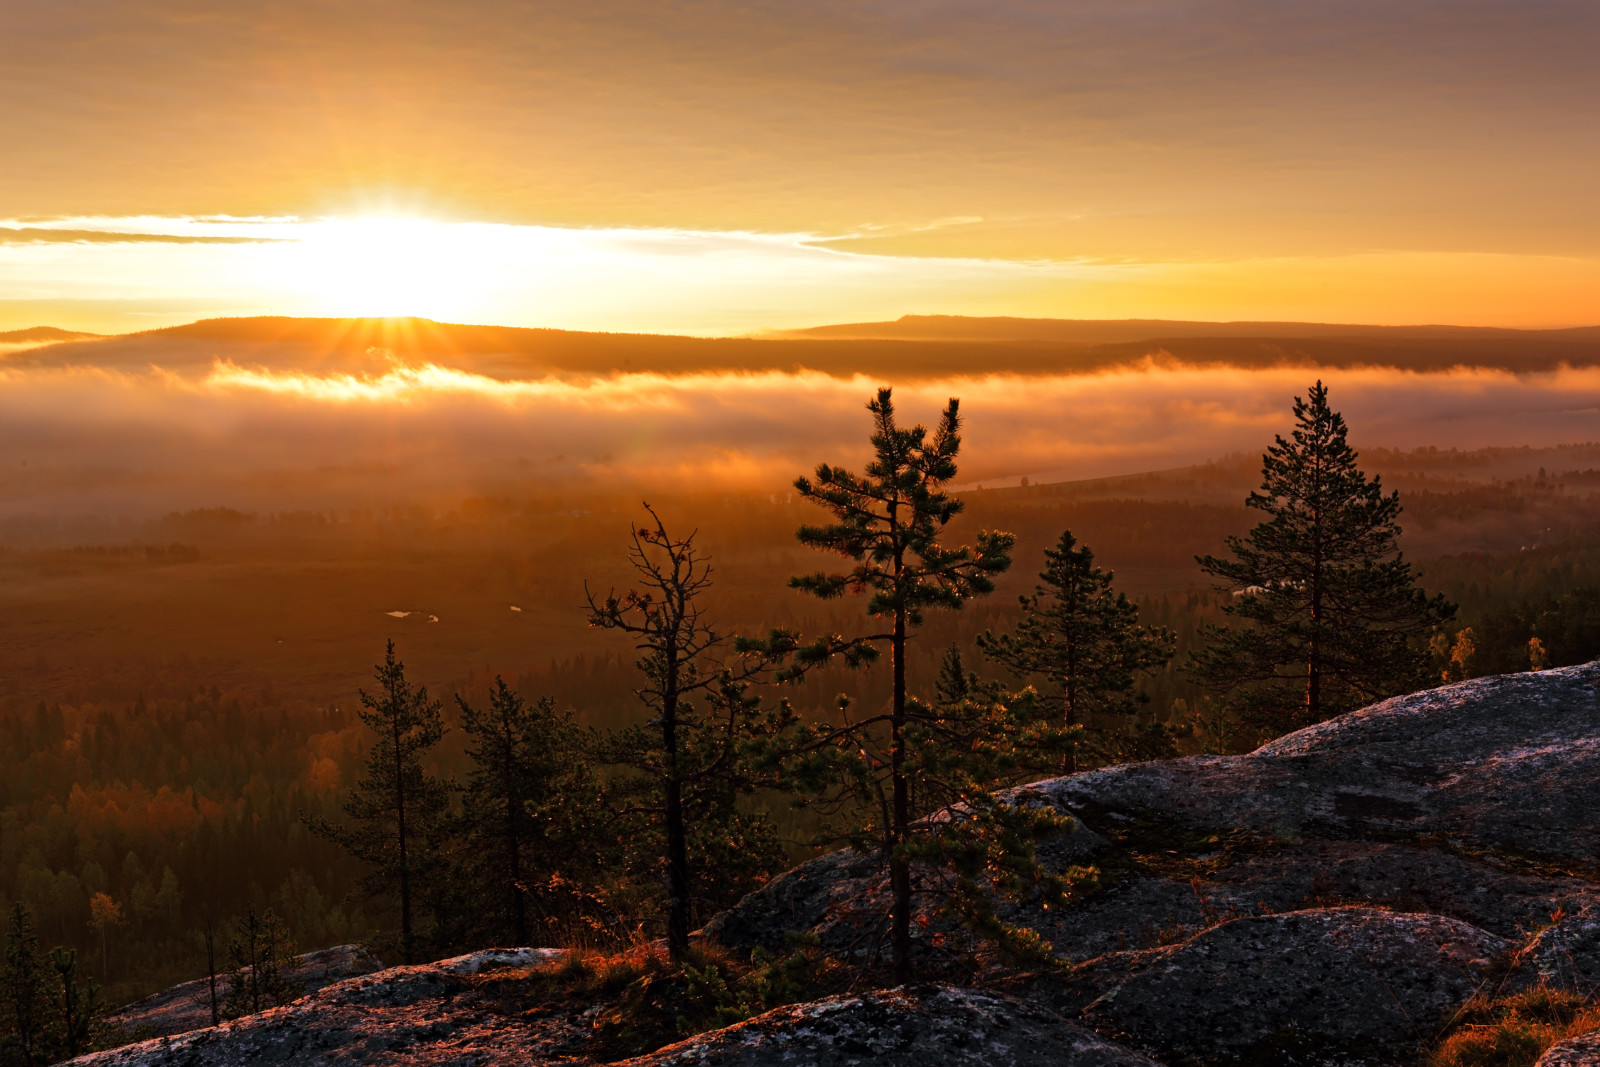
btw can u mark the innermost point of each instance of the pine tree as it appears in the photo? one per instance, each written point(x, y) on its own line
point(77, 1005)
point(690, 763)
point(24, 995)
point(260, 952)
point(46, 1013)
point(529, 813)
point(1333, 616)
point(398, 811)
point(1084, 640)
point(888, 521)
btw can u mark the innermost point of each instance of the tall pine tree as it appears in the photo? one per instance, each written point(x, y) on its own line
point(1331, 612)
point(888, 521)
point(399, 811)
point(1085, 640)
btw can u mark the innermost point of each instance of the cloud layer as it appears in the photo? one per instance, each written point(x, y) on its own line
point(74, 440)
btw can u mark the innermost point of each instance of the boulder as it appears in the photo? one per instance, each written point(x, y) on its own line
point(1581, 1051)
point(1327, 985)
point(908, 1027)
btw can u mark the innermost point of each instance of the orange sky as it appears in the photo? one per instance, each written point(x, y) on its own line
point(1360, 161)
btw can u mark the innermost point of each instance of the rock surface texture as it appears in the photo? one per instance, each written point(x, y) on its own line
point(1577, 1052)
point(188, 1006)
point(900, 1028)
point(1333, 899)
point(1420, 846)
point(433, 1014)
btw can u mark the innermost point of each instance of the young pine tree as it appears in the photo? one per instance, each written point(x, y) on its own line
point(260, 953)
point(398, 812)
point(48, 1012)
point(1332, 614)
point(691, 762)
point(1085, 641)
point(76, 1006)
point(888, 521)
point(529, 814)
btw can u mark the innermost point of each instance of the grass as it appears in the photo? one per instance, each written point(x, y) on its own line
point(646, 1001)
point(1514, 1031)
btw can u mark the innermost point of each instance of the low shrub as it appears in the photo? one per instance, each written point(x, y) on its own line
point(648, 1001)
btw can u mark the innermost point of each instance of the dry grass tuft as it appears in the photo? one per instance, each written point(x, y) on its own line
point(1515, 1031)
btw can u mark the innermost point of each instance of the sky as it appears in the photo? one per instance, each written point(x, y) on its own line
point(728, 166)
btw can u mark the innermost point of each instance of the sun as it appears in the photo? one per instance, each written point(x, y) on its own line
point(392, 266)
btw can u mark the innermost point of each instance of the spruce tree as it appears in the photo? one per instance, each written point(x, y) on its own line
point(1085, 641)
point(398, 811)
point(691, 762)
point(888, 521)
point(529, 814)
point(1331, 614)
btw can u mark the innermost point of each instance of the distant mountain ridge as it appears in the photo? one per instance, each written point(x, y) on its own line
point(909, 349)
point(43, 334)
point(1110, 331)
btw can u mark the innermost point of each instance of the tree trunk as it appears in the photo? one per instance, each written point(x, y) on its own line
point(677, 845)
point(211, 971)
point(519, 910)
point(899, 863)
point(400, 823)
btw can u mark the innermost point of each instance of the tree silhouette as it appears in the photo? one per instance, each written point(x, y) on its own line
point(24, 993)
point(46, 1013)
point(260, 951)
point(888, 521)
point(528, 813)
point(690, 761)
point(1332, 610)
point(1084, 639)
point(398, 810)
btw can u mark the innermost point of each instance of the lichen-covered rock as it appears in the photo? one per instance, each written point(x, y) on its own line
point(1436, 801)
point(429, 1014)
point(842, 899)
point(1564, 954)
point(918, 1027)
point(1510, 764)
point(1329, 985)
point(1581, 1051)
point(188, 1006)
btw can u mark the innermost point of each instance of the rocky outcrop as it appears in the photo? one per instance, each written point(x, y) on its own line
point(900, 1028)
point(1346, 887)
point(1344, 985)
point(1473, 801)
point(188, 1006)
point(1333, 898)
point(457, 1011)
point(441, 1013)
